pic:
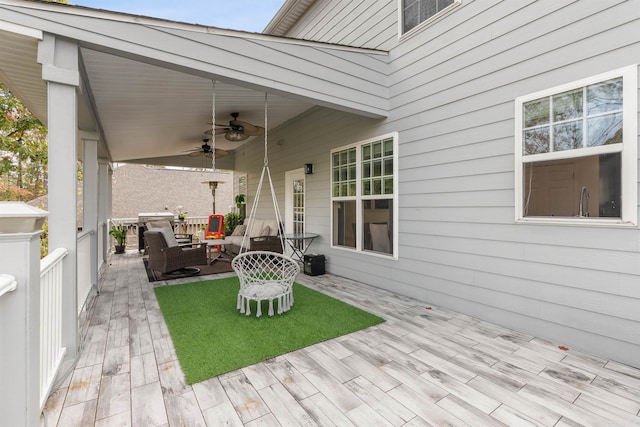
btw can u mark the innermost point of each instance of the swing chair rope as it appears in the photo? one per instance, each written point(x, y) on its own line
point(265, 167)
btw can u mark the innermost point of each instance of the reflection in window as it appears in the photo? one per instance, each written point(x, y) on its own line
point(555, 188)
point(416, 11)
point(344, 223)
point(590, 116)
point(378, 225)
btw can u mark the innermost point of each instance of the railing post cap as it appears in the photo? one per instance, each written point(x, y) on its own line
point(19, 217)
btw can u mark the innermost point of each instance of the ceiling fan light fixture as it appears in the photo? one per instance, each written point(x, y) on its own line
point(235, 136)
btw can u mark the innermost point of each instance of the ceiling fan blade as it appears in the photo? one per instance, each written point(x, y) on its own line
point(258, 131)
point(195, 153)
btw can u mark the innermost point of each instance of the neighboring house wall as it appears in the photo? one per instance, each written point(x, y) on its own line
point(138, 188)
point(452, 88)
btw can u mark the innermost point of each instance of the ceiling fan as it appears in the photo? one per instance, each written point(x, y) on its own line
point(237, 130)
point(206, 151)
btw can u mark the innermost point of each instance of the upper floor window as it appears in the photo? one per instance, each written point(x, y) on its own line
point(576, 150)
point(363, 188)
point(414, 12)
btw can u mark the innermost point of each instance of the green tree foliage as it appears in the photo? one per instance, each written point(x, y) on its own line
point(23, 150)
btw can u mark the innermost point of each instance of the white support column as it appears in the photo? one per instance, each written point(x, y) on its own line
point(104, 207)
point(90, 196)
point(59, 59)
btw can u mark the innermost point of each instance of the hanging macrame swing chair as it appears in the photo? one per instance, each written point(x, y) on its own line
point(264, 276)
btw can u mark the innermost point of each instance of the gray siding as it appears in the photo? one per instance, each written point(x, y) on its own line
point(366, 23)
point(452, 91)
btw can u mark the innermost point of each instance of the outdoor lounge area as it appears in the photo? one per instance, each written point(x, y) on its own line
point(465, 169)
point(423, 366)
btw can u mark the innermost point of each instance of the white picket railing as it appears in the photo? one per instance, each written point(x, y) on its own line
point(51, 350)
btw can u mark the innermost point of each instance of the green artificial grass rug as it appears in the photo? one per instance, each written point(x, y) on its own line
point(212, 337)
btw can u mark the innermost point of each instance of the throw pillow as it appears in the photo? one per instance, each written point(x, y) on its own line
point(265, 231)
point(169, 237)
point(239, 230)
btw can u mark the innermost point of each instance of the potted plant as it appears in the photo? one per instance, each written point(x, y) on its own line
point(240, 204)
point(182, 215)
point(231, 220)
point(119, 232)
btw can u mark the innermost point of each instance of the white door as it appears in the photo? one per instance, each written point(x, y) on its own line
point(294, 201)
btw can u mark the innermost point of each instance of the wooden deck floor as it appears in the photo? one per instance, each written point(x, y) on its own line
point(424, 366)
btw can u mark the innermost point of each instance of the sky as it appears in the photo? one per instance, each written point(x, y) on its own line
point(246, 15)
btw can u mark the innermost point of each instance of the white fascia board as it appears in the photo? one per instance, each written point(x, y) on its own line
point(20, 29)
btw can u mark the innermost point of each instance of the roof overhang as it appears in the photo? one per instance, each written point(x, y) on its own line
point(147, 84)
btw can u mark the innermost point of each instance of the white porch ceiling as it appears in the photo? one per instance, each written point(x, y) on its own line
point(148, 111)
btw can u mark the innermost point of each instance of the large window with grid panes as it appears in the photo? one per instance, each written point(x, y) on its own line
point(415, 12)
point(576, 151)
point(364, 192)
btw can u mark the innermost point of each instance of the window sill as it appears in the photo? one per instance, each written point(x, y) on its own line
point(576, 222)
point(368, 253)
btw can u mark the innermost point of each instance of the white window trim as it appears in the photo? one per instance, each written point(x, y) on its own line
point(629, 174)
point(358, 197)
point(439, 15)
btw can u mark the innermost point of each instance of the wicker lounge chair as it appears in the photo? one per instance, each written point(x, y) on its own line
point(168, 258)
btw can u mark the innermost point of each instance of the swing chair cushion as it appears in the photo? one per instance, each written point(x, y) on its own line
point(265, 276)
point(262, 236)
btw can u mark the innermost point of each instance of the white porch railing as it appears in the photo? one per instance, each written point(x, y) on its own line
point(191, 225)
point(85, 281)
point(51, 350)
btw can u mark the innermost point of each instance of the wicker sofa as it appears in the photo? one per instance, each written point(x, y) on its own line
point(262, 235)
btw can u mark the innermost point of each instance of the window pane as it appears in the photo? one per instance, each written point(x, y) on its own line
point(336, 159)
point(411, 16)
point(567, 136)
point(343, 157)
point(336, 190)
point(567, 105)
point(366, 170)
point(555, 188)
point(336, 174)
point(377, 186)
point(352, 155)
point(377, 149)
point(352, 188)
point(366, 187)
point(377, 230)
point(388, 186)
point(536, 112)
point(343, 174)
point(366, 152)
point(388, 147)
point(604, 130)
point(377, 168)
point(344, 223)
point(536, 141)
point(388, 167)
point(604, 97)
